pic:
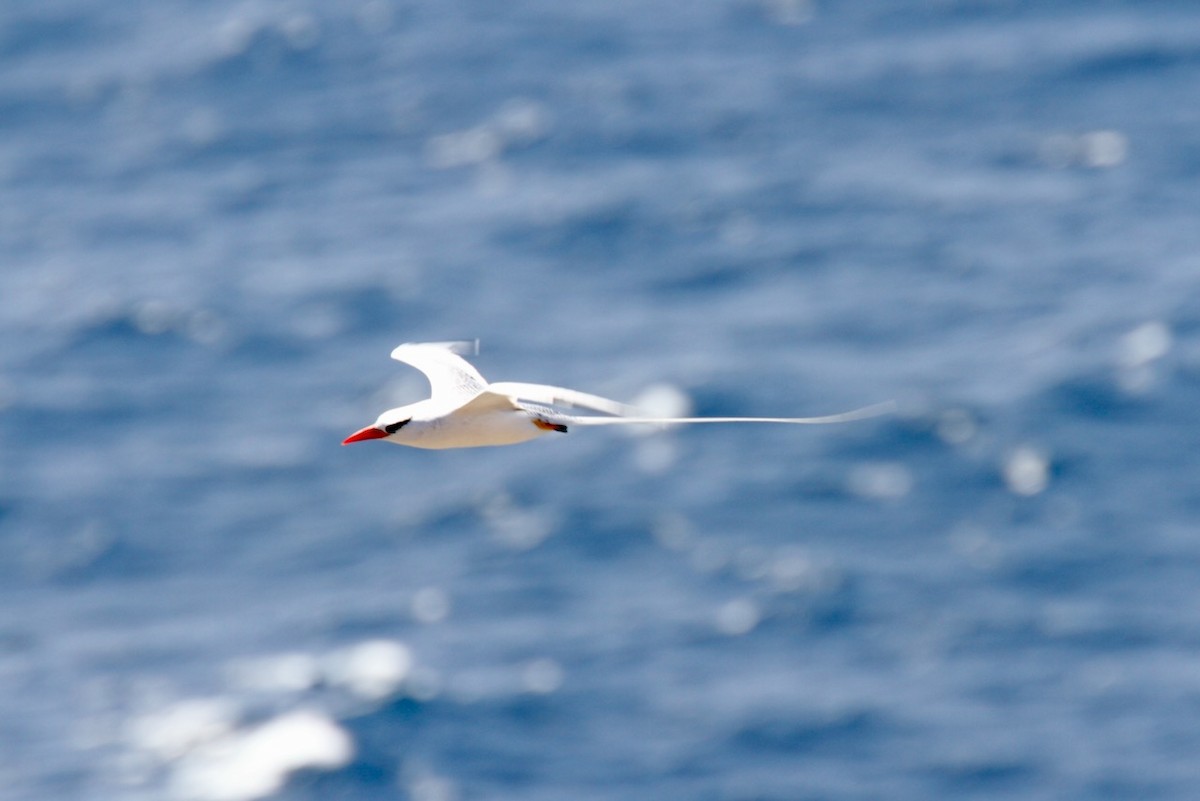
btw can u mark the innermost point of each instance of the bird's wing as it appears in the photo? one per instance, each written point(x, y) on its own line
point(452, 379)
point(487, 401)
point(845, 417)
point(561, 396)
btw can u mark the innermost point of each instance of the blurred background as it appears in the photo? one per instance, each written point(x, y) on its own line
point(218, 218)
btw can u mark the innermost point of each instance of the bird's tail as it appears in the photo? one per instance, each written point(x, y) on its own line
point(865, 413)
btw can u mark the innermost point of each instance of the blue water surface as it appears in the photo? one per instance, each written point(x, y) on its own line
point(218, 218)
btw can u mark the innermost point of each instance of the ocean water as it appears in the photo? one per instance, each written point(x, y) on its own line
point(218, 218)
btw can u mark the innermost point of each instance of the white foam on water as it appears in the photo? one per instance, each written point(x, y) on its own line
point(371, 670)
point(256, 763)
point(1026, 470)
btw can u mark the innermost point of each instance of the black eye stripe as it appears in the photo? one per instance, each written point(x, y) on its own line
point(394, 427)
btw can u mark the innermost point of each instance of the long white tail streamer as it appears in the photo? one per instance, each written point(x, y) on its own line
point(866, 412)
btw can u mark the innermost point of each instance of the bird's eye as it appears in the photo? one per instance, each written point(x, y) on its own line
point(394, 427)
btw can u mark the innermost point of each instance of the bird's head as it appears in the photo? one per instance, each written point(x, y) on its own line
point(388, 426)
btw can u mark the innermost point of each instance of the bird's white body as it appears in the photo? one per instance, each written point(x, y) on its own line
point(492, 420)
point(465, 411)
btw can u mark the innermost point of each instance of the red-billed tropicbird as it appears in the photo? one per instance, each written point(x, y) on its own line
point(465, 411)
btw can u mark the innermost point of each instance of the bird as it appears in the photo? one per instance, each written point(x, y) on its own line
point(465, 411)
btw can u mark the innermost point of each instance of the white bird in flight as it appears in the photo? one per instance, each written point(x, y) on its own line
point(465, 411)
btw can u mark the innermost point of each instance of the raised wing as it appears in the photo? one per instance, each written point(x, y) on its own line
point(864, 413)
point(452, 379)
point(560, 396)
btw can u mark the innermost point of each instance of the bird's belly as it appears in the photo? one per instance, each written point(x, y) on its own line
point(478, 431)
